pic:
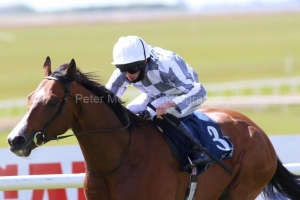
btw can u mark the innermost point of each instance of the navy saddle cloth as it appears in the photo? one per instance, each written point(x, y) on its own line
point(207, 131)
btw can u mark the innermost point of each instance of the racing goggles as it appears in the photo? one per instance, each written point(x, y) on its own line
point(131, 68)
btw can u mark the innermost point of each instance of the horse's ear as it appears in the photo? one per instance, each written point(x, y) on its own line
point(71, 69)
point(47, 67)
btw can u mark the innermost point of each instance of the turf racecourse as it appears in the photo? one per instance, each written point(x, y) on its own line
point(220, 48)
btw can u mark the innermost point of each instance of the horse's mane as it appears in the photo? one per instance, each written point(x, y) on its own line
point(87, 80)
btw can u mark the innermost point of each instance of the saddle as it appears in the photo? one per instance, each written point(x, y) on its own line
point(202, 128)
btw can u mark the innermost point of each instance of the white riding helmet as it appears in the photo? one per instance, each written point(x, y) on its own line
point(130, 49)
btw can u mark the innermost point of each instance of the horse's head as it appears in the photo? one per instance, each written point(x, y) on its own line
point(46, 106)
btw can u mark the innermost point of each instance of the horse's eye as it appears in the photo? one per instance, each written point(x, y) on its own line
point(52, 102)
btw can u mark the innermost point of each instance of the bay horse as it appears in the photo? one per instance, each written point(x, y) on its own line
point(127, 158)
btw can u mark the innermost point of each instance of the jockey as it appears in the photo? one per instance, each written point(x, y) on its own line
point(163, 77)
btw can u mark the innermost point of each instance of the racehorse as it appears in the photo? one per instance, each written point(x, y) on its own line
point(127, 158)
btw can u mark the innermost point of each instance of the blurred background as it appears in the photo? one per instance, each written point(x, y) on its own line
point(246, 52)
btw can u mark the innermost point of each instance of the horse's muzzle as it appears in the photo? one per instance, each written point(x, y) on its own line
point(17, 141)
point(18, 146)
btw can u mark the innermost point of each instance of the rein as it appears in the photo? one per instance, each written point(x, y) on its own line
point(47, 139)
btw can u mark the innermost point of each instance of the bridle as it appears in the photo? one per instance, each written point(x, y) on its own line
point(41, 135)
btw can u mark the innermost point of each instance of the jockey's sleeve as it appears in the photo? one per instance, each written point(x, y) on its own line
point(185, 79)
point(117, 83)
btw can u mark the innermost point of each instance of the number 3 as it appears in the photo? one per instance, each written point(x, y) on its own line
point(213, 132)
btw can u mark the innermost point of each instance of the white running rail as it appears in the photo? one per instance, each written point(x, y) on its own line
point(237, 87)
point(17, 107)
point(55, 181)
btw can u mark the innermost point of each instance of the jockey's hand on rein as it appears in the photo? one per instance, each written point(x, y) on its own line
point(162, 108)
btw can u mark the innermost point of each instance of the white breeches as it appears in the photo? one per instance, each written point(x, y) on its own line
point(140, 104)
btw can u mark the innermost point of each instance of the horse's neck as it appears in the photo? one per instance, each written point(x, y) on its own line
point(103, 150)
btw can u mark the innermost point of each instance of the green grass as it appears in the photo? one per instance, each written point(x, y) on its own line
point(3, 139)
point(13, 112)
point(279, 120)
point(220, 49)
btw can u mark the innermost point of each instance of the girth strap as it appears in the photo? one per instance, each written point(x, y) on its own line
point(193, 184)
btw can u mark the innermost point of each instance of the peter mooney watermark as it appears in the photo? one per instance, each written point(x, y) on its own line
point(213, 100)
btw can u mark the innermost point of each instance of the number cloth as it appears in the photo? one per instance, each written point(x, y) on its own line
point(207, 131)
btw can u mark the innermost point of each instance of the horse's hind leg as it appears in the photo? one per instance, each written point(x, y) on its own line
point(257, 167)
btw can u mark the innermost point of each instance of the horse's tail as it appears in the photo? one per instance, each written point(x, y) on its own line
point(284, 182)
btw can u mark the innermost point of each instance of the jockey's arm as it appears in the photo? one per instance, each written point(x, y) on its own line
point(117, 83)
point(183, 80)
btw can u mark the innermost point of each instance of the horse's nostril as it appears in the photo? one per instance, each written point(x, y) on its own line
point(9, 142)
point(19, 140)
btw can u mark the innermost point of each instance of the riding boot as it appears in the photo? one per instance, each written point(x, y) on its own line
point(199, 158)
point(144, 114)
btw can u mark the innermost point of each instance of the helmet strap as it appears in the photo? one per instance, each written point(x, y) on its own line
point(143, 49)
point(142, 69)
